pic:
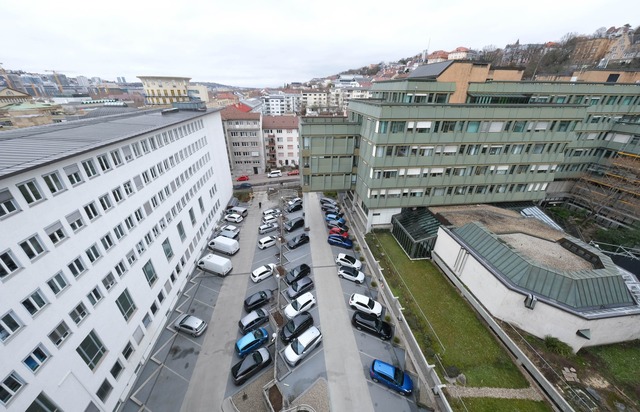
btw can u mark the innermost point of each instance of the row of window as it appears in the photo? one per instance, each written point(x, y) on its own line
point(480, 170)
point(456, 190)
point(32, 193)
point(590, 100)
point(475, 126)
point(467, 149)
point(245, 144)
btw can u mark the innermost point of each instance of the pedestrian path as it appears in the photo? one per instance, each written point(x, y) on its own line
point(505, 393)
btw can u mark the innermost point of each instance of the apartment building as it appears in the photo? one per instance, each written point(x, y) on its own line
point(281, 141)
point(164, 90)
point(465, 133)
point(245, 145)
point(281, 104)
point(102, 221)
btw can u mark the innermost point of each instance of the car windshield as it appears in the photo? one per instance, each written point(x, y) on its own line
point(258, 334)
point(370, 303)
point(295, 304)
point(398, 376)
point(297, 347)
point(257, 358)
point(263, 295)
point(290, 326)
point(296, 286)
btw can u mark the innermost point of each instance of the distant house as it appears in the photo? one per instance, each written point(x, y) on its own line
point(8, 96)
point(462, 53)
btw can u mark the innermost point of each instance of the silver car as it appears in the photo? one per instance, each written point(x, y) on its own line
point(267, 227)
point(190, 324)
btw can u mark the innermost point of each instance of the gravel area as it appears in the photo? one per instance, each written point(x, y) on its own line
point(546, 252)
point(317, 396)
point(250, 398)
point(505, 393)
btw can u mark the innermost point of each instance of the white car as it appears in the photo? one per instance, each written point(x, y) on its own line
point(263, 272)
point(302, 345)
point(230, 228)
point(275, 173)
point(347, 260)
point(233, 217)
point(269, 219)
point(349, 273)
point(302, 303)
point(275, 212)
point(365, 304)
point(266, 242)
point(267, 227)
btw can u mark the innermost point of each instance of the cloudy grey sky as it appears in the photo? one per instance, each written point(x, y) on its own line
point(261, 43)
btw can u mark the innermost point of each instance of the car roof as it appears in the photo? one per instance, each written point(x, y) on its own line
point(360, 298)
point(383, 367)
point(308, 335)
point(249, 337)
point(191, 321)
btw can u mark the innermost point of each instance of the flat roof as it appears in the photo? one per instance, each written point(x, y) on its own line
point(32, 147)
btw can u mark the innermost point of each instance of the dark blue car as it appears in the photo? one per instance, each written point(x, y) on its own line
point(393, 377)
point(251, 341)
point(337, 240)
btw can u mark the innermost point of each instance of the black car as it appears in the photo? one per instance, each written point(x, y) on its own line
point(250, 365)
point(293, 224)
point(372, 324)
point(296, 273)
point(242, 186)
point(257, 299)
point(296, 326)
point(330, 209)
point(298, 241)
point(299, 287)
point(294, 207)
point(336, 223)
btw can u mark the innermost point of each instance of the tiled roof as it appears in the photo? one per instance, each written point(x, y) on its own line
point(279, 122)
point(234, 112)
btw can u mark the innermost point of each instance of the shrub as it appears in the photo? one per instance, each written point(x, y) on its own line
point(396, 340)
point(555, 345)
point(374, 284)
point(356, 247)
point(361, 258)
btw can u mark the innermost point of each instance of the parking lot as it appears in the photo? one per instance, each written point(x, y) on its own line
point(186, 373)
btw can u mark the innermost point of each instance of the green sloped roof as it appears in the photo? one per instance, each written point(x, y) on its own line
point(420, 224)
point(581, 290)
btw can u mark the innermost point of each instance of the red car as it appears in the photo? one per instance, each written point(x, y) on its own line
point(339, 231)
point(242, 178)
point(293, 172)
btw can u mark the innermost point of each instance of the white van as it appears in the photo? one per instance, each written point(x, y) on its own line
point(224, 245)
point(218, 265)
point(275, 173)
point(242, 211)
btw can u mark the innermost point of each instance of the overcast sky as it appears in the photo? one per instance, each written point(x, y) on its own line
point(261, 43)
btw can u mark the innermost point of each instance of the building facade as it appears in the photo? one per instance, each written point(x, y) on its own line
point(281, 104)
point(102, 221)
point(245, 144)
point(282, 147)
point(164, 90)
point(426, 141)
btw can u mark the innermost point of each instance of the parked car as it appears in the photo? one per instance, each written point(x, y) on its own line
point(242, 186)
point(365, 304)
point(302, 345)
point(337, 218)
point(300, 304)
point(371, 324)
point(297, 273)
point(347, 260)
point(294, 224)
point(266, 242)
point(339, 231)
point(299, 240)
point(328, 200)
point(242, 178)
point(190, 324)
point(294, 201)
point(337, 240)
point(275, 173)
point(294, 172)
point(230, 228)
point(253, 320)
point(333, 210)
point(351, 274)
point(269, 219)
point(251, 341)
point(334, 223)
point(326, 206)
point(250, 365)
point(299, 287)
point(263, 272)
point(257, 300)
point(233, 217)
point(229, 234)
point(275, 212)
point(294, 327)
point(394, 378)
point(294, 208)
point(267, 227)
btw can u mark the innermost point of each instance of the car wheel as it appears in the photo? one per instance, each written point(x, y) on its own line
point(375, 380)
point(358, 327)
point(194, 335)
point(403, 393)
point(341, 277)
point(359, 282)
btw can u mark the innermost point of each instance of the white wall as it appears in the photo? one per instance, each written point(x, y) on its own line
point(544, 319)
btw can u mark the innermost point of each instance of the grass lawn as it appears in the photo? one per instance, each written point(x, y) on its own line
point(467, 345)
point(495, 404)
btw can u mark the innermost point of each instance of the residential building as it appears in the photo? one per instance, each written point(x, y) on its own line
point(281, 104)
point(314, 99)
point(102, 222)
point(164, 90)
point(281, 141)
point(245, 144)
point(11, 96)
point(198, 91)
point(466, 133)
point(462, 53)
point(437, 57)
point(340, 97)
point(588, 52)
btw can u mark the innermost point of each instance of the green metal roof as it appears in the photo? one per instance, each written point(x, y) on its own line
point(581, 290)
point(420, 224)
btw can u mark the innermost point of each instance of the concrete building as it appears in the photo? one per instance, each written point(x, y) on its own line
point(245, 144)
point(198, 91)
point(466, 133)
point(589, 51)
point(281, 141)
point(536, 278)
point(102, 222)
point(164, 90)
point(281, 104)
point(462, 53)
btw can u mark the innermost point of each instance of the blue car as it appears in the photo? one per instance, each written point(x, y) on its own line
point(336, 218)
point(393, 377)
point(337, 240)
point(251, 341)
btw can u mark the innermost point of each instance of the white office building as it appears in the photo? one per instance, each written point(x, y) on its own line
point(102, 220)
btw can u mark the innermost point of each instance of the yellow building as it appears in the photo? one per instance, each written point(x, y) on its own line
point(164, 90)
